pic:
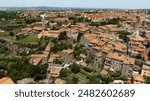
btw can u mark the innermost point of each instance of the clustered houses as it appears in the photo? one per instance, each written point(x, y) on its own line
point(99, 16)
point(116, 55)
point(53, 68)
point(37, 59)
point(130, 58)
point(31, 14)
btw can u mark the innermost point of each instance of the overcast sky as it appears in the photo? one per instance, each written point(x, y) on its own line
point(77, 3)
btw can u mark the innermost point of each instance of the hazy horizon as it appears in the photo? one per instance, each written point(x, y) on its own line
point(116, 4)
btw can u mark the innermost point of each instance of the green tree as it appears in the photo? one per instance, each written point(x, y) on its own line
point(37, 77)
point(147, 80)
point(116, 75)
point(79, 37)
point(89, 68)
point(123, 35)
point(58, 61)
point(2, 74)
point(114, 21)
point(89, 60)
point(64, 72)
point(11, 33)
point(75, 68)
point(60, 46)
point(71, 79)
point(62, 35)
point(94, 80)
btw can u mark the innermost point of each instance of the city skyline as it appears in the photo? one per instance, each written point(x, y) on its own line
point(121, 4)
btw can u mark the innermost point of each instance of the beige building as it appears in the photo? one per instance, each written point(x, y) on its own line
point(50, 33)
point(53, 71)
point(138, 79)
point(145, 70)
point(37, 59)
point(67, 55)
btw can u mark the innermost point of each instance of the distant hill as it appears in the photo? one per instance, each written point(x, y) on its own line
point(44, 8)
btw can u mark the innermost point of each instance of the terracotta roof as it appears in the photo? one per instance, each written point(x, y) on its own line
point(54, 56)
point(54, 70)
point(36, 61)
point(95, 41)
point(113, 28)
point(90, 37)
point(139, 48)
point(37, 28)
point(120, 47)
point(68, 51)
point(135, 42)
point(48, 47)
point(101, 43)
point(138, 38)
point(39, 55)
point(60, 81)
point(115, 56)
point(82, 55)
point(6, 80)
point(83, 29)
point(106, 35)
point(106, 49)
point(37, 58)
point(49, 33)
point(128, 60)
point(60, 19)
point(146, 57)
point(97, 48)
point(138, 77)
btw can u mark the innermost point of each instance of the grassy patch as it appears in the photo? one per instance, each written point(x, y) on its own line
point(82, 78)
point(88, 75)
point(32, 39)
point(4, 34)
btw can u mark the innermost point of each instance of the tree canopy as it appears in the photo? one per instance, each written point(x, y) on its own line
point(75, 68)
point(62, 35)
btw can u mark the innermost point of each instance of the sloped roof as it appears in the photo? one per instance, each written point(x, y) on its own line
point(6, 80)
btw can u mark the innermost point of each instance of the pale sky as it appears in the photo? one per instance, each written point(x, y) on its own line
point(129, 4)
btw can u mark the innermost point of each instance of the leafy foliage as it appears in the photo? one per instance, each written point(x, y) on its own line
point(58, 61)
point(89, 68)
point(64, 72)
point(62, 36)
point(123, 35)
point(75, 68)
point(71, 79)
point(60, 46)
point(19, 68)
point(79, 50)
point(9, 15)
point(114, 21)
point(147, 80)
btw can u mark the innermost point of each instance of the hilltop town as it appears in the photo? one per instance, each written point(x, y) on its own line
point(75, 47)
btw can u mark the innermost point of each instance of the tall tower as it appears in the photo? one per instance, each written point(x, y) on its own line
point(43, 22)
point(137, 25)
